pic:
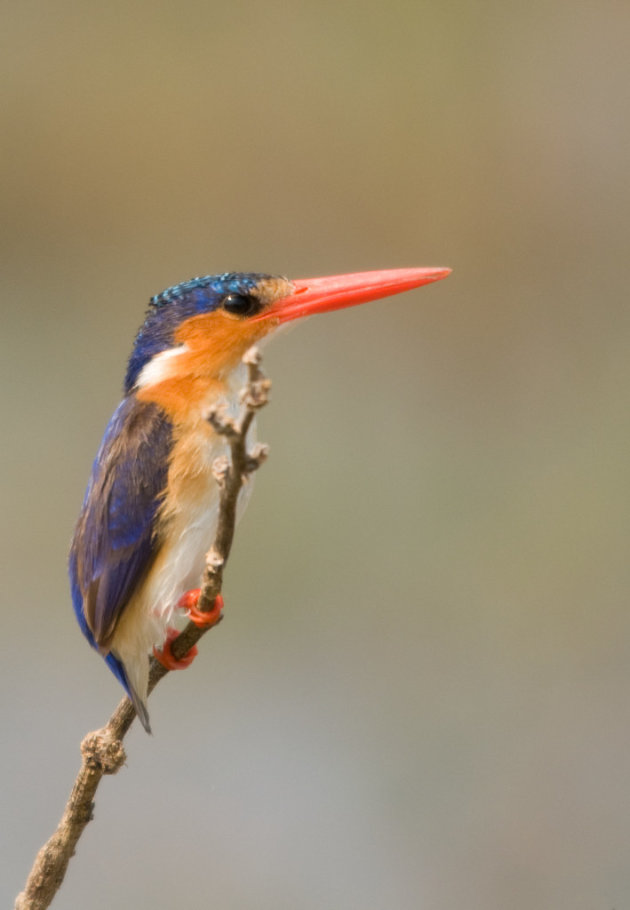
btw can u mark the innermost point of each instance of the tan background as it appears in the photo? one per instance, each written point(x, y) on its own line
point(419, 697)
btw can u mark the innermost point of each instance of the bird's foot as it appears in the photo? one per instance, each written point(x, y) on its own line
point(167, 658)
point(201, 618)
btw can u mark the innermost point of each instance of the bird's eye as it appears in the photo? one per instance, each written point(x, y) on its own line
point(241, 305)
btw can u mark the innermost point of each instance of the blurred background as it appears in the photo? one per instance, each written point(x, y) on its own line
point(419, 696)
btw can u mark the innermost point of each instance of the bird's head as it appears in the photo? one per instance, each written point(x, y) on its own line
point(210, 322)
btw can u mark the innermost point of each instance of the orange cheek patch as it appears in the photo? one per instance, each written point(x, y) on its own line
point(214, 345)
point(217, 341)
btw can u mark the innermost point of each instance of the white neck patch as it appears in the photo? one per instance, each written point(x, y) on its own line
point(161, 366)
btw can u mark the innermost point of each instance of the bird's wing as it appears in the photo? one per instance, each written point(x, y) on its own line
point(115, 542)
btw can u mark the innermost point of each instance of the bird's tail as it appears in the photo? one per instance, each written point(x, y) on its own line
point(118, 669)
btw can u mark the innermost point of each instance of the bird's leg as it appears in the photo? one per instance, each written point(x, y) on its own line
point(167, 658)
point(201, 618)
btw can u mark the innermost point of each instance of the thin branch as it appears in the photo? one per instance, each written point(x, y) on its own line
point(102, 750)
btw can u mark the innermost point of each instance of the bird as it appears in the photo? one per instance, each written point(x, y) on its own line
point(151, 504)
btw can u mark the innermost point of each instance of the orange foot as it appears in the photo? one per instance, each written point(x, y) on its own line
point(166, 656)
point(201, 618)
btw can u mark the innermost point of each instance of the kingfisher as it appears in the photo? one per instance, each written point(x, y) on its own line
point(151, 505)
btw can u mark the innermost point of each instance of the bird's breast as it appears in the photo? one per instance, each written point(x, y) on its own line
point(196, 446)
point(190, 481)
point(187, 518)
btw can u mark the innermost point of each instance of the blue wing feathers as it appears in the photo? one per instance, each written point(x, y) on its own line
point(114, 542)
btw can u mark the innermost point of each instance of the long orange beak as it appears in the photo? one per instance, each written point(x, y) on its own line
point(319, 295)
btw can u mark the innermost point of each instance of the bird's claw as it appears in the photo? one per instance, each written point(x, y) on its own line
point(203, 619)
point(166, 657)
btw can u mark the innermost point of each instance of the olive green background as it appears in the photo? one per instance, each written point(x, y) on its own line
point(419, 695)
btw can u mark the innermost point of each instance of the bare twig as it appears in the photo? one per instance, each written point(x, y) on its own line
point(102, 750)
